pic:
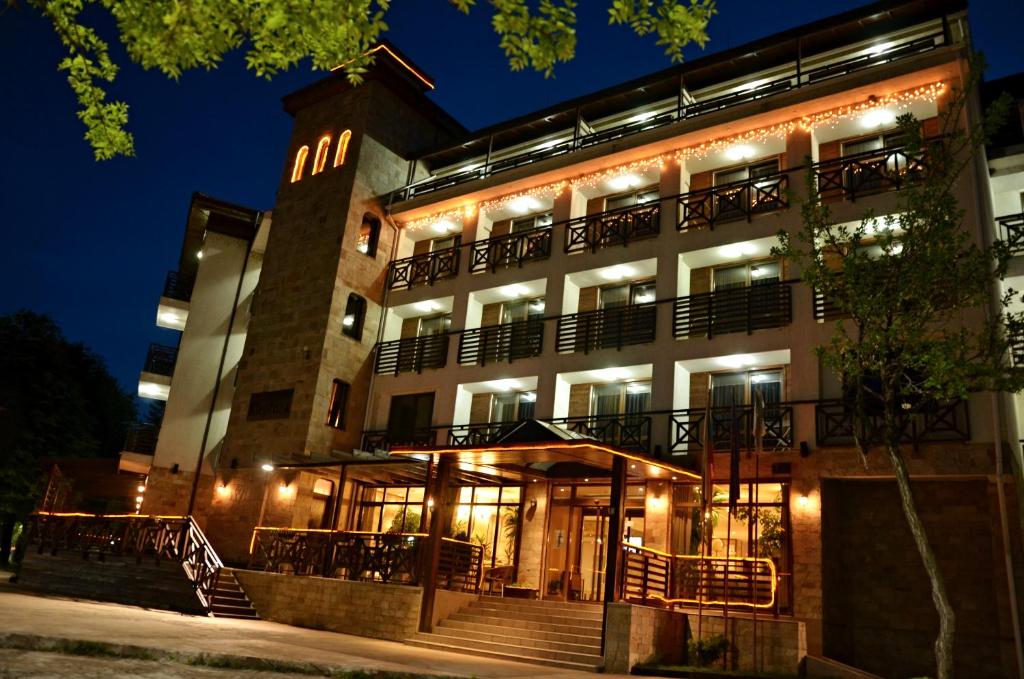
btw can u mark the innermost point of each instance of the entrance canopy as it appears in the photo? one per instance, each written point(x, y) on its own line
point(536, 449)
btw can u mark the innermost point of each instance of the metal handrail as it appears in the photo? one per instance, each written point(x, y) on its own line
point(502, 342)
point(411, 354)
point(610, 328)
point(1011, 229)
point(742, 309)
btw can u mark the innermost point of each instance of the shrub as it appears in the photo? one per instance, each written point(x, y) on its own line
point(706, 651)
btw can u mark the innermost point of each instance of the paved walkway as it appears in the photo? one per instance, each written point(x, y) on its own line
point(93, 621)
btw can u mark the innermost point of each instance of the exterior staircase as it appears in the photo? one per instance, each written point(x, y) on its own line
point(229, 599)
point(555, 634)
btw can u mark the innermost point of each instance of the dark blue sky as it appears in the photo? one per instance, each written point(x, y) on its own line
point(90, 243)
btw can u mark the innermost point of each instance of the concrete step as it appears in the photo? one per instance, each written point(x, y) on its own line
point(544, 603)
point(230, 600)
point(539, 617)
point(466, 615)
point(558, 610)
point(574, 661)
point(507, 636)
point(525, 632)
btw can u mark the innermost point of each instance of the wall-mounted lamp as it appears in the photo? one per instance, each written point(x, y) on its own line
point(267, 467)
point(430, 503)
point(222, 489)
point(803, 501)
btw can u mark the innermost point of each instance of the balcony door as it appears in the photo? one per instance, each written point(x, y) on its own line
point(410, 418)
point(434, 325)
point(622, 319)
point(618, 413)
point(526, 336)
point(732, 394)
point(514, 407)
point(736, 201)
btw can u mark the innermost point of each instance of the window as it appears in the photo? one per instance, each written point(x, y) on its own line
point(434, 325)
point(271, 405)
point(320, 159)
point(369, 232)
point(755, 273)
point(390, 509)
point(737, 389)
point(336, 410)
point(609, 400)
point(751, 171)
point(489, 516)
point(638, 197)
point(522, 310)
point(626, 295)
point(514, 407)
point(444, 243)
point(410, 417)
point(531, 222)
point(343, 140)
point(300, 163)
point(355, 311)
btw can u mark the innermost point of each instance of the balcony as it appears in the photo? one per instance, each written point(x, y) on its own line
point(425, 269)
point(686, 107)
point(411, 354)
point(945, 421)
point(179, 287)
point(731, 426)
point(620, 226)
point(514, 249)
point(160, 360)
point(479, 434)
point(505, 342)
point(867, 173)
point(744, 309)
point(382, 439)
point(141, 438)
point(627, 431)
point(735, 201)
point(611, 328)
point(1011, 230)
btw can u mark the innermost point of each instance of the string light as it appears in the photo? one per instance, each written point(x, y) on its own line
point(808, 123)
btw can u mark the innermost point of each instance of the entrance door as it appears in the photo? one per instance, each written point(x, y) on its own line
point(577, 543)
point(586, 582)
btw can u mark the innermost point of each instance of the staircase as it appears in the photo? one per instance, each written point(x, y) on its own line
point(555, 634)
point(229, 599)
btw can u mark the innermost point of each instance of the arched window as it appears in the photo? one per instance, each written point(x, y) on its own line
point(355, 312)
point(320, 159)
point(369, 232)
point(300, 163)
point(339, 155)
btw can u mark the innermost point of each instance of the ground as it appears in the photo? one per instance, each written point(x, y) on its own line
point(28, 621)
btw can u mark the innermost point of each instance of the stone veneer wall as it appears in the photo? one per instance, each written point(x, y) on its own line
point(638, 634)
point(780, 646)
point(366, 609)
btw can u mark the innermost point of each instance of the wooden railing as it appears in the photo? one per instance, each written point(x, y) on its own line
point(1011, 230)
point(651, 577)
point(704, 208)
point(411, 354)
point(382, 439)
point(160, 359)
point(628, 431)
point(745, 309)
point(611, 328)
point(504, 342)
point(395, 558)
point(160, 538)
point(502, 252)
point(867, 173)
point(945, 421)
point(481, 434)
point(730, 426)
point(620, 226)
point(178, 287)
point(425, 269)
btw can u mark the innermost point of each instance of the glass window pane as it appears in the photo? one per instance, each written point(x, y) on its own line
point(862, 146)
point(370, 518)
point(527, 402)
point(487, 494)
point(394, 495)
point(373, 495)
point(460, 522)
point(615, 296)
point(482, 532)
point(503, 408)
point(594, 492)
point(731, 277)
point(465, 495)
point(728, 389)
point(393, 516)
point(764, 272)
point(729, 176)
point(647, 196)
point(416, 494)
point(505, 550)
point(620, 201)
point(605, 399)
point(510, 495)
point(643, 293)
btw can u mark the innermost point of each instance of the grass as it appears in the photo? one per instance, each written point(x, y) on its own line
point(100, 649)
point(659, 670)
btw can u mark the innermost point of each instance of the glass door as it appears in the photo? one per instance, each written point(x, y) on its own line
point(586, 582)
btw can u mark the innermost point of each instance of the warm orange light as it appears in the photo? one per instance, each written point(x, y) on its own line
point(222, 489)
point(300, 163)
point(343, 140)
point(320, 159)
point(426, 81)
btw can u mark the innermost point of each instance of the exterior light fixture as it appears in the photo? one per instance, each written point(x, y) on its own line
point(803, 501)
point(739, 152)
point(735, 250)
point(586, 480)
point(617, 272)
point(736, 360)
point(512, 291)
point(877, 117)
point(611, 374)
point(427, 306)
point(624, 181)
point(443, 226)
point(141, 489)
point(168, 317)
point(139, 499)
point(222, 489)
point(879, 48)
point(267, 467)
point(524, 204)
point(430, 503)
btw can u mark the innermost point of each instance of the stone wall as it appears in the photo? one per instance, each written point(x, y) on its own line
point(639, 634)
point(779, 647)
point(366, 609)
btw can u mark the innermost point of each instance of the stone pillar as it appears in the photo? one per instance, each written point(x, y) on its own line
point(657, 515)
point(532, 536)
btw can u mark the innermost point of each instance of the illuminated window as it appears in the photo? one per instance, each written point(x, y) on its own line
point(369, 231)
point(352, 323)
point(320, 159)
point(339, 400)
point(300, 163)
point(339, 155)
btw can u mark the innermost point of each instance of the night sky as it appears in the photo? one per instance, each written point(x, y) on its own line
point(90, 243)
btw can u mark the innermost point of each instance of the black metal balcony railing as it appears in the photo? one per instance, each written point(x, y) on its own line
point(141, 438)
point(946, 421)
point(704, 208)
point(160, 360)
point(479, 434)
point(733, 425)
point(1011, 230)
point(743, 309)
point(801, 78)
point(425, 269)
point(1016, 342)
point(867, 173)
point(826, 308)
point(505, 342)
point(382, 439)
point(611, 328)
point(178, 287)
point(510, 250)
point(411, 354)
point(620, 226)
point(627, 431)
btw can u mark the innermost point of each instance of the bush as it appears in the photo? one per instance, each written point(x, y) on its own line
point(707, 651)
